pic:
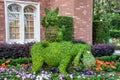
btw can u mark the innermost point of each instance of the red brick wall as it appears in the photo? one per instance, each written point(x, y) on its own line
point(2, 22)
point(80, 10)
point(83, 20)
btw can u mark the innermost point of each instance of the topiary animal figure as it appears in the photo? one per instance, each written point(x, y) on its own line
point(49, 21)
point(56, 54)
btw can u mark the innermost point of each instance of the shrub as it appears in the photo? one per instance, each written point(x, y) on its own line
point(17, 61)
point(109, 58)
point(115, 33)
point(50, 21)
point(14, 50)
point(116, 22)
point(78, 41)
point(102, 50)
point(57, 54)
point(100, 32)
point(118, 66)
point(68, 23)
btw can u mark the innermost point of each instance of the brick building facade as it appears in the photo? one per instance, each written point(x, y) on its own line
point(80, 10)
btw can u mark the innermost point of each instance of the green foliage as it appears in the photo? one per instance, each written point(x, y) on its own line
point(45, 43)
point(54, 26)
point(100, 32)
point(101, 10)
point(17, 61)
point(115, 33)
point(49, 21)
point(115, 22)
point(118, 66)
point(59, 35)
point(104, 20)
point(56, 54)
point(88, 60)
point(51, 18)
point(109, 58)
point(68, 23)
point(76, 60)
point(107, 69)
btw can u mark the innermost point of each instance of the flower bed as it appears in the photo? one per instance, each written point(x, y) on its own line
point(23, 72)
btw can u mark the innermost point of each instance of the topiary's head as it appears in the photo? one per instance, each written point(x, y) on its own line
point(51, 17)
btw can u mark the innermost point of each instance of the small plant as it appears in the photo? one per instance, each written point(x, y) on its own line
point(88, 60)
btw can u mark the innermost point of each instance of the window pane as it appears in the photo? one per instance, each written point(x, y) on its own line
point(32, 17)
point(29, 9)
point(31, 35)
point(31, 23)
point(29, 17)
point(17, 23)
point(17, 36)
point(12, 35)
point(12, 29)
point(17, 29)
point(14, 8)
point(26, 29)
point(26, 36)
point(14, 16)
point(14, 25)
point(11, 24)
point(31, 29)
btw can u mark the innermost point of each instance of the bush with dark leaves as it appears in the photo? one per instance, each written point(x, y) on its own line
point(15, 50)
point(99, 50)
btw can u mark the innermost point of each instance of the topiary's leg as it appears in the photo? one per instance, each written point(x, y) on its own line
point(63, 65)
point(77, 58)
point(37, 64)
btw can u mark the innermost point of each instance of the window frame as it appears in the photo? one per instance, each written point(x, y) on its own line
point(23, 4)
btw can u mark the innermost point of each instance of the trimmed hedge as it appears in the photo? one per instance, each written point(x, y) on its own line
point(115, 33)
point(68, 23)
point(100, 32)
point(99, 50)
point(17, 61)
point(14, 50)
point(109, 58)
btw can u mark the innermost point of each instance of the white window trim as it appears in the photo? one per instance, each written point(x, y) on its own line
point(37, 24)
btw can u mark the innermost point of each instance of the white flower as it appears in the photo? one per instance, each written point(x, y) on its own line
point(39, 78)
point(88, 51)
point(78, 76)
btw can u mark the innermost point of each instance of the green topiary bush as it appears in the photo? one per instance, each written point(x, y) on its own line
point(68, 23)
point(57, 54)
point(51, 22)
point(100, 32)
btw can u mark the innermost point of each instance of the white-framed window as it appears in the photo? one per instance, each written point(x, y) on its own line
point(22, 21)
